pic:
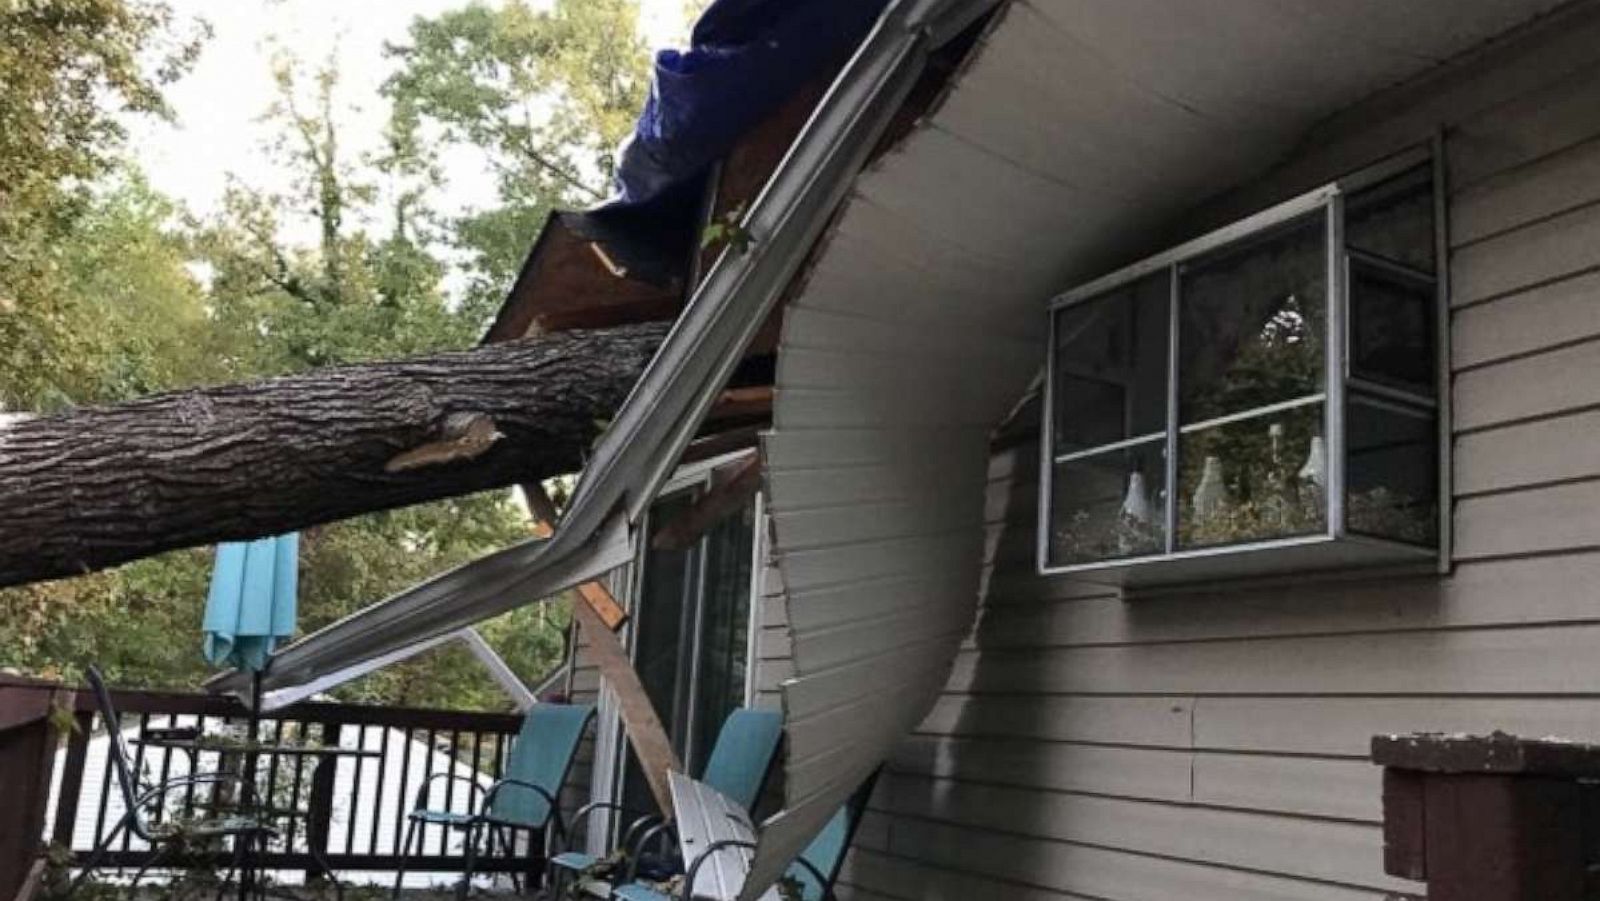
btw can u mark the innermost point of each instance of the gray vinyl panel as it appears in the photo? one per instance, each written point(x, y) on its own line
point(1547, 450)
point(1568, 178)
point(1084, 870)
point(1529, 322)
point(1249, 840)
point(706, 817)
point(1537, 385)
point(1564, 245)
point(1495, 149)
point(1332, 725)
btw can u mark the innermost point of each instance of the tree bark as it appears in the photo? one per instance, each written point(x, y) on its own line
point(99, 486)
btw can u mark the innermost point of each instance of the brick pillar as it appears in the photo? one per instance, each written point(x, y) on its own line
point(1490, 818)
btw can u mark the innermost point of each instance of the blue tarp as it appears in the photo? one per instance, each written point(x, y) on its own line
point(745, 59)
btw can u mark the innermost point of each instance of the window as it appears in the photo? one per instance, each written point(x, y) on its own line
point(1271, 386)
point(692, 622)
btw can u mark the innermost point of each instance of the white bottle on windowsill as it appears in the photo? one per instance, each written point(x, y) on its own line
point(1211, 495)
point(1313, 475)
point(1135, 515)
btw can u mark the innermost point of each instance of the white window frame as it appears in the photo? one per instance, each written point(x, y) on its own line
point(1166, 566)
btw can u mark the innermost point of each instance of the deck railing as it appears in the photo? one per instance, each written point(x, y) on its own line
point(355, 806)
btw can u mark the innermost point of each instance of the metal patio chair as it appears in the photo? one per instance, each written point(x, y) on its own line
point(746, 745)
point(140, 796)
point(523, 800)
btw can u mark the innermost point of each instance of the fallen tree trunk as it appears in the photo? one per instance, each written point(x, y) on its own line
point(99, 486)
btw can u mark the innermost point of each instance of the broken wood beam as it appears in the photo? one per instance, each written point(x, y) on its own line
point(544, 512)
point(598, 599)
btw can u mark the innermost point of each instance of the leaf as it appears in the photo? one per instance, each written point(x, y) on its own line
point(62, 720)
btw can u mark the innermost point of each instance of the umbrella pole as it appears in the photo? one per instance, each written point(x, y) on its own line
point(247, 875)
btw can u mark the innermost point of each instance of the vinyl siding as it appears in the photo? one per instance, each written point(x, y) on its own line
point(583, 687)
point(1211, 745)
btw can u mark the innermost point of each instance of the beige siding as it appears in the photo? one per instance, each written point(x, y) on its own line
point(583, 688)
point(1210, 746)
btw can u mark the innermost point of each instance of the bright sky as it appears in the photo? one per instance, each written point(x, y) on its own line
point(220, 103)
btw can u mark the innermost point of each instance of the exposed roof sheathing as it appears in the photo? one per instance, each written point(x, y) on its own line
point(566, 284)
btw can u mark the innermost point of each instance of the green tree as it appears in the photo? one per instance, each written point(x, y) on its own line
point(356, 295)
point(352, 295)
point(107, 293)
point(545, 96)
point(95, 301)
point(67, 67)
point(142, 322)
point(139, 307)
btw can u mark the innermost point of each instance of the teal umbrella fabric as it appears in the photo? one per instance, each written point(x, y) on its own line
point(252, 601)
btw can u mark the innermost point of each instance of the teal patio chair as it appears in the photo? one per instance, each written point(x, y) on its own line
point(813, 872)
point(737, 767)
point(525, 799)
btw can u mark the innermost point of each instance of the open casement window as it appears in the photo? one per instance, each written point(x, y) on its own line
point(1264, 399)
point(692, 622)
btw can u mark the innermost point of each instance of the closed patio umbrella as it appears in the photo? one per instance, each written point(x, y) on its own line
point(251, 606)
point(252, 601)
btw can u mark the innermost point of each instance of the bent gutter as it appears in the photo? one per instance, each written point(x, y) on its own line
point(660, 415)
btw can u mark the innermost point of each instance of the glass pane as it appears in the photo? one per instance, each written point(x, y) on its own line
point(1394, 219)
point(1253, 317)
point(1253, 479)
point(663, 619)
point(724, 631)
point(1109, 505)
point(1392, 479)
point(1391, 328)
point(1111, 365)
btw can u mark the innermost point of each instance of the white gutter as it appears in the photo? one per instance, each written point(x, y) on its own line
point(657, 421)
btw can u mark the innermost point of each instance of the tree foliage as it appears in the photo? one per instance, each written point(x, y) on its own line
point(65, 67)
point(107, 291)
point(546, 97)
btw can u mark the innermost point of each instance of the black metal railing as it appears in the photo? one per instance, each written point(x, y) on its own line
point(352, 808)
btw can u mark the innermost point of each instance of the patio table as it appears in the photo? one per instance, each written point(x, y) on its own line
point(192, 742)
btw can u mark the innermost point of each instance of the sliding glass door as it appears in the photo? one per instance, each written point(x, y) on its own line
point(692, 640)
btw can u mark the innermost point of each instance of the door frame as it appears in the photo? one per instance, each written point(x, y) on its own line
point(628, 582)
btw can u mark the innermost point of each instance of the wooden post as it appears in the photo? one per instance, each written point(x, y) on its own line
point(71, 787)
point(28, 741)
point(1490, 818)
point(598, 614)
